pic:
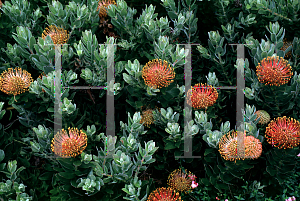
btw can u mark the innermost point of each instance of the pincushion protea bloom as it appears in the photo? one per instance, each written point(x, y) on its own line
point(202, 96)
point(58, 35)
point(164, 194)
point(283, 132)
point(157, 74)
point(15, 81)
point(181, 181)
point(0, 3)
point(147, 118)
point(102, 5)
point(70, 145)
point(264, 116)
point(228, 147)
point(271, 72)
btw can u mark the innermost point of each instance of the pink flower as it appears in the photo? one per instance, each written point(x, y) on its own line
point(194, 185)
point(293, 198)
point(298, 156)
point(226, 199)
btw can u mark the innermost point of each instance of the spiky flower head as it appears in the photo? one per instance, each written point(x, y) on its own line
point(0, 3)
point(181, 181)
point(283, 132)
point(58, 35)
point(15, 81)
point(147, 118)
point(228, 147)
point(102, 5)
point(71, 145)
point(286, 44)
point(202, 96)
point(271, 72)
point(158, 74)
point(164, 194)
point(264, 116)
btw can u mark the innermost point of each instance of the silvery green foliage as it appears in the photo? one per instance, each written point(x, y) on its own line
point(210, 137)
point(164, 117)
point(71, 17)
point(95, 58)
point(134, 72)
point(166, 51)
point(12, 188)
point(216, 49)
point(18, 12)
point(68, 78)
point(191, 129)
point(174, 130)
point(212, 79)
point(133, 127)
point(250, 122)
point(201, 120)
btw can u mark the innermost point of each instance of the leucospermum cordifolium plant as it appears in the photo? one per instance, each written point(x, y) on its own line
point(145, 42)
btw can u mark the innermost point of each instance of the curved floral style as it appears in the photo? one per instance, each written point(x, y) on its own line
point(264, 116)
point(71, 145)
point(271, 72)
point(15, 81)
point(181, 181)
point(164, 194)
point(202, 97)
point(102, 5)
point(283, 132)
point(286, 44)
point(58, 35)
point(41, 77)
point(147, 118)
point(228, 147)
point(157, 74)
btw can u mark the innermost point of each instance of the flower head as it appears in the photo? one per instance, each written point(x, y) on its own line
point(70, 145)
point(180, 181)
point(202, 96)
point(157, 74)
point(228, 147)
point(164, 194)
point(264, 116)
point(147, 118)
point(283, 132)
point(15, 81)
point(0, 3)
point(58, 35)
point(102, 5)
point(271, 72)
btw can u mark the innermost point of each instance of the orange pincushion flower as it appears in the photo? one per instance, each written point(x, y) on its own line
point(164, 194)
point(180, 181)
point(271, 72)
point(15, 81)
point(202, 97)
point(228, 147)
point(158, 75)
point(147, 118)
point(0, 3)
point(283, 132)
point(253, 147)
point(58, 35)
point(102, 5)
point(70, 145)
